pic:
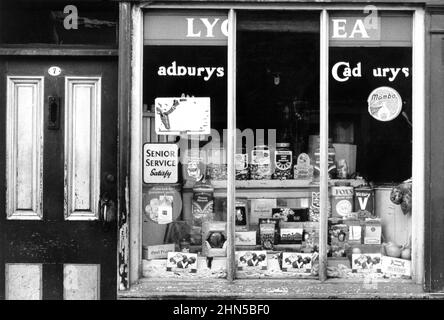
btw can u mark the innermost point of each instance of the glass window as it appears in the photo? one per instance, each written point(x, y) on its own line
point(370, 138)
point(277, 169)
point(185, 164)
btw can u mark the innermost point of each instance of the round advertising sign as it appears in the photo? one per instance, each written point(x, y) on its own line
point(384, 104)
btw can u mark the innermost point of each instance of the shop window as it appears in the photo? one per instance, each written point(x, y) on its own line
point(370, 131)
point(277, 120)
point(185, 163)
point(279, 173)
point(58, 23)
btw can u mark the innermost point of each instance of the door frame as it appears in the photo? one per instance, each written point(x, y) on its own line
point(418, 118)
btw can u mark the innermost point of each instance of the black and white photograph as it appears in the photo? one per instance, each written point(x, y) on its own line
point(229, 153)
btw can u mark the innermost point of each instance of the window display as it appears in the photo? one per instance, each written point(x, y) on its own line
point(185, 85)
point(277, 160)
point(371, 130)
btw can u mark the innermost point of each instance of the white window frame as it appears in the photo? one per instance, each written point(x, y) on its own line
point(418, 119)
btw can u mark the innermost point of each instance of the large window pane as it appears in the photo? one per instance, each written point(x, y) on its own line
point(185, 121)
point(277, 176)
point(370, 130)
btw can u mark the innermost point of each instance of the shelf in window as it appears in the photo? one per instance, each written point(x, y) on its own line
point(277, 184)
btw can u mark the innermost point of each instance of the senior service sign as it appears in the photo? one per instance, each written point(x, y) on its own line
point(160, 163)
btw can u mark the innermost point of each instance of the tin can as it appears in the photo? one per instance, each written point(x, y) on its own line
point(260, 163)
point(283, 162)
point(342, 201)
point(364, 202)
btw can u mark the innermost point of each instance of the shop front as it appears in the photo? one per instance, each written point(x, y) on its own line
point(222, 149)
point(277, 149)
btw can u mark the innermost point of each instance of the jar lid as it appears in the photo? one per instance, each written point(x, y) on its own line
point(283, 145)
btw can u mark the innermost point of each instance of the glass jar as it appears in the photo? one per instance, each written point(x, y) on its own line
point(260, 163)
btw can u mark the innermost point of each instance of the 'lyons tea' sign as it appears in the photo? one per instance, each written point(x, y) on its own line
point(160, 163)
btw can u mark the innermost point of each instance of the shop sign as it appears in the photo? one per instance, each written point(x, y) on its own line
point(185, 28)
point(160, 163)
point(176, 116)
point(354, 28)
point(384, 103)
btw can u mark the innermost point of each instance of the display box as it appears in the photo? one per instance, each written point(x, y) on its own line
point(290, 214)
point(214, 239)
point(268, 233)
point(297, 262)
point(366, 262)
point(157, 251)
point(338, 234)
point(182, 262)
point(354, 231)
point(251, 260)
point(291, 232)
point(241, 218)
point(260, 209)
point(372, 231)
point(395, 266)
point(245, 238)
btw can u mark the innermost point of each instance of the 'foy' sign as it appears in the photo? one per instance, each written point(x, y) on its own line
point(160, 163)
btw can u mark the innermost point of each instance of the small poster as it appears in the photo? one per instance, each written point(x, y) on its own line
point(247, 260)
point(162, 204)
point(160, 163)
point(297, 262)
point(384, 103)
point(182, 261)
point(175, 116)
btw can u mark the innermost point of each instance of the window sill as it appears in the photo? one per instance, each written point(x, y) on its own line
point(274, 289)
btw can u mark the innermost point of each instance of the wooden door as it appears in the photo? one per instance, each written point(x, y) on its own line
point(58, 169)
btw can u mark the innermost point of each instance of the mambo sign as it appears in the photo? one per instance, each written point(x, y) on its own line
point(160, 163)
point(185, 28)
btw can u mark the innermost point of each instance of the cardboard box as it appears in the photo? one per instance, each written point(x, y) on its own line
point(157, 251)
point(297, 262)
point(372, 231)
point(182, 262)
point(366, 262)
point(395, 266)
point(214, 239)
point(291, 232)
point(248, 260)
point(245, 238)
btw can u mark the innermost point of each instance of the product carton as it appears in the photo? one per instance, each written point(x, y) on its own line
point(395, 266)
point(372, 231)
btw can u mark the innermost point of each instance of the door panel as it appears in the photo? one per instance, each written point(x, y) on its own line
point(75, 247)
point(82, 154)
point(24, 147)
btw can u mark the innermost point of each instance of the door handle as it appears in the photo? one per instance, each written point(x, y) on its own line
point(107, 210)
point(53, 113)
